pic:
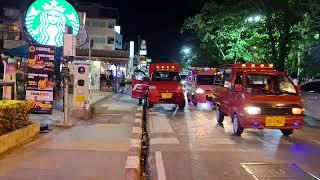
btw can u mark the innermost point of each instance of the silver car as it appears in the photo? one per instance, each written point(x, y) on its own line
point(310, 92)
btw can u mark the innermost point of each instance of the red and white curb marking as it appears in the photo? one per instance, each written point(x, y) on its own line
point(132, 169)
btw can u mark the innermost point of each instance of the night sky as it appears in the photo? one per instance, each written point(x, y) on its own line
point(157, 21)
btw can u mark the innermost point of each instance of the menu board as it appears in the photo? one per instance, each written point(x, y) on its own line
point(40, 72)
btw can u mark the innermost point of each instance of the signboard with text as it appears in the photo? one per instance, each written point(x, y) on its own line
point(40, 73)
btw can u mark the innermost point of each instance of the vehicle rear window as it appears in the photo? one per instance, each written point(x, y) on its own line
point(166, 76)
point(205, 79)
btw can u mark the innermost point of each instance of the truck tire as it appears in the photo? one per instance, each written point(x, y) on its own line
point(219, 116)
point(237, 129)
point(140, 101)
point(287, 132)
point(181, 106)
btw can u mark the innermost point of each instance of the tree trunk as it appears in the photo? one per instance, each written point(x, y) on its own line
point(271, 38)
point(284, 40)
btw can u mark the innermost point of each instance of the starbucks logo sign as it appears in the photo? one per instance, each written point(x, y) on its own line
point(46, 21)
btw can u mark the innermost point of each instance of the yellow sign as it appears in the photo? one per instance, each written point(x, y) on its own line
point(80, 98)
point(166, 95)
point(275, 121)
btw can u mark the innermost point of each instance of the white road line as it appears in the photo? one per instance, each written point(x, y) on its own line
point(262, 141)
point(160, 124)
point(160, 167)
point(154, 141)
point(316, 141)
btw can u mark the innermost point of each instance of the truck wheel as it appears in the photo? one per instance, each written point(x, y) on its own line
point(181, 106)
point(219, 116)
point(140, 101)
point(237, 129)
point(287, 132)
point(188, 97)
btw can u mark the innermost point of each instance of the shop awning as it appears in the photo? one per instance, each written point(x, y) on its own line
point(114, 56)
point(17, 52)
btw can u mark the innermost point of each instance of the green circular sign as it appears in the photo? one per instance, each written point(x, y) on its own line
point(46, 21)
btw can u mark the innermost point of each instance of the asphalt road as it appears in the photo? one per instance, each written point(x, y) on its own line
point(190, 145)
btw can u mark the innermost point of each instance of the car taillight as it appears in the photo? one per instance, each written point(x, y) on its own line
point(180, 88)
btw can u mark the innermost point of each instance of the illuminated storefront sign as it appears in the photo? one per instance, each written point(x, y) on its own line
point(46, 21)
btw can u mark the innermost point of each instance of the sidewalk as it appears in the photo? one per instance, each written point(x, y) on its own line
point(57, 112)
point(94, 149)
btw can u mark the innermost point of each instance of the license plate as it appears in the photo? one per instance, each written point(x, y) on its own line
point(276, 121)
point(166, 95)
point(210, 94)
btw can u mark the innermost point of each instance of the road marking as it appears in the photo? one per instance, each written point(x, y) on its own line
point(316, 141)
point(160, 124)
point(154, 141)
point(139, 108)
point(132, 162)
point(137, 130)
point(262, 141)
point(160, 167)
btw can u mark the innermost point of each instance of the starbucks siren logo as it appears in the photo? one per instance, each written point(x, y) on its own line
point(46, 21)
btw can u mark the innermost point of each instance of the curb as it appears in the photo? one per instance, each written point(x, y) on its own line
point(102, 99)
point(133, 167)
point(20, 136)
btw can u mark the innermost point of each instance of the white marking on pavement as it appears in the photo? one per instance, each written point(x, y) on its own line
point(154, 141)
point(160, 167)
point(160, 124)
point(262, 141)
point(249, 171)
point(132, 162)
point(135, 143)
point(137, 130)
point(139, 108)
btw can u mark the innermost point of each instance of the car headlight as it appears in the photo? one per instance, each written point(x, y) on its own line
point(253, 110)
point(297, 110)
point(182, 82)
point(199, 91)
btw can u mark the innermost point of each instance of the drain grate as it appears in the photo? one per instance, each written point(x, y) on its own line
point(261, 171)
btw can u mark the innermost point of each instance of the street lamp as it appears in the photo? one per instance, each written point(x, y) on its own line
point(255, 19)
point(186, 50)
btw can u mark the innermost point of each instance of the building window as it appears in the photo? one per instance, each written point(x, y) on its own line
point(111, 24)
point(99, 40)
point(110, 40)
point(99, 24)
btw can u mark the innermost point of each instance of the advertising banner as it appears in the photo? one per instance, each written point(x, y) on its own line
point(40, 73)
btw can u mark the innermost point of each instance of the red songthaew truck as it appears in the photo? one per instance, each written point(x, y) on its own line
point(162, 86)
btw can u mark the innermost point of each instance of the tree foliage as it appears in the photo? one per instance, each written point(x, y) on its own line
point(284, 35)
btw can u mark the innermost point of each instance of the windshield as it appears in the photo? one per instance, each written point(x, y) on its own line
point(205, 79)
point(166, 76)
point(269, 84)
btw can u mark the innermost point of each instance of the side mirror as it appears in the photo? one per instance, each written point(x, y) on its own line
point(145, 79)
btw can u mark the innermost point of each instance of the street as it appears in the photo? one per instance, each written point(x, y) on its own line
point(191, 145)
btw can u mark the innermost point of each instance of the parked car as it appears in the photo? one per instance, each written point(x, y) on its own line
point(310, 92)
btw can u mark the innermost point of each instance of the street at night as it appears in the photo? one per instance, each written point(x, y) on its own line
point(159, 90)
point(191, 145)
